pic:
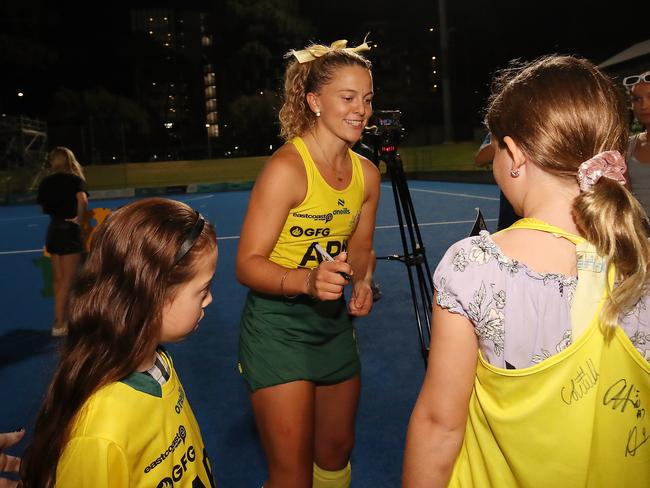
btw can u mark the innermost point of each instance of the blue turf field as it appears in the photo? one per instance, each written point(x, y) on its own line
point(392, 368)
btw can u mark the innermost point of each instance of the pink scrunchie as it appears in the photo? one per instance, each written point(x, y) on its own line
point(609, 164)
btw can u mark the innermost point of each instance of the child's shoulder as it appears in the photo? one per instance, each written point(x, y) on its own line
point(467, 242)
point(103, 413)
point(115, 410)
point(478, 252)
point(482, 242)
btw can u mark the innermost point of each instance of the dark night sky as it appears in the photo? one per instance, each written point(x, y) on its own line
point(82, 49)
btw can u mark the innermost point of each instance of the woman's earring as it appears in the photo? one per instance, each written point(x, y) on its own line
point(514, 173)
point(317, 113)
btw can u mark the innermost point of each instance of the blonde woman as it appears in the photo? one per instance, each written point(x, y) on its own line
point(539, 371)
point(62, 195)
point(298, 352)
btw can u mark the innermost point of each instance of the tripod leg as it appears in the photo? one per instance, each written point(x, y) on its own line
point(414, 254)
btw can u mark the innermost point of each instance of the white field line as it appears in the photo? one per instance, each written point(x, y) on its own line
point(229, 238)
point(29, 217)
point(421, 190)
point(427, 224)
point(461, 195)
point(202, 197)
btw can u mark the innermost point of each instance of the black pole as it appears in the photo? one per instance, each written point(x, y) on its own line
point(444, 68)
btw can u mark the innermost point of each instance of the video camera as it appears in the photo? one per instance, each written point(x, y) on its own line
point(385, 131)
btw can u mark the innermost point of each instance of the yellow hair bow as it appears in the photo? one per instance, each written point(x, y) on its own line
point(317, 50)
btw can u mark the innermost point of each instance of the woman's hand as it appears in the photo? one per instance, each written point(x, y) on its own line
point(326, 282)
point(361, 301)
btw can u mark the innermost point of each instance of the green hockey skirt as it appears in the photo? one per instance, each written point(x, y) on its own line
point(283, 340)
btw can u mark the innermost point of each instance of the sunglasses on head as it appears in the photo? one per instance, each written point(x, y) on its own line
point(629, 81)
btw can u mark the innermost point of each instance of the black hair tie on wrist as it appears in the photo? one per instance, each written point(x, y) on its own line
point(191, 238)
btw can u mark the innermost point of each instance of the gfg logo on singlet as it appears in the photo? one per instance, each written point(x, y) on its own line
point(179, 470)
point(297, 231)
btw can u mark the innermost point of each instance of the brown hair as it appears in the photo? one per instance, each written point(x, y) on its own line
point(630, 92)
point(115, 315)
point(561, 111)
point(296, 118)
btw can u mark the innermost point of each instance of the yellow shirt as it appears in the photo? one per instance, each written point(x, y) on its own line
point(326, 216)
point(580, 418)
point(136, 433)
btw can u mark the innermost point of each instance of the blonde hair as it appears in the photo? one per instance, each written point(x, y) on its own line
point(296, 118)
point(63, 160)
point(561, 110)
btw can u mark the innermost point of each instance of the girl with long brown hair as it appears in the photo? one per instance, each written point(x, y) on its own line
point(541, 333)
point(116, 413)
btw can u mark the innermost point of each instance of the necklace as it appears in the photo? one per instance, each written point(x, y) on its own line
point(338, 173)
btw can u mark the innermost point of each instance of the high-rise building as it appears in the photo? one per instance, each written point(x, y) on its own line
point(175, 77)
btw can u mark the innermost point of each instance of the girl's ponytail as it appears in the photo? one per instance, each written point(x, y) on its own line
point(615, 223)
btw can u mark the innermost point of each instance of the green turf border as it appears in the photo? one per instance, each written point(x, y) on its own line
point(445, 162)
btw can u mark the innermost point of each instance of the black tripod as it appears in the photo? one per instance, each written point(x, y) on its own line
point(387, 133)
point(414, 255)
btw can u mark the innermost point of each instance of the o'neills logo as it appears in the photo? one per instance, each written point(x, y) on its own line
point(181, 399)
point(317, 217)
point(178, 438)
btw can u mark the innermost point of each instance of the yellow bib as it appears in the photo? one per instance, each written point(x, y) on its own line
point(325, 216)
point(577, 419)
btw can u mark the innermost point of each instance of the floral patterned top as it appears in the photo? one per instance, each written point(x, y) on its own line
point(521, 317)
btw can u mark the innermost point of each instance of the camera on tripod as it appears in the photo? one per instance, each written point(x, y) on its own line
point(384, 132)
point(382, 136)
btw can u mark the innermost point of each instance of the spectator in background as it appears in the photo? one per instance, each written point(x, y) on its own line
point(63, 196)
point(638, 152)
point(484, 157)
